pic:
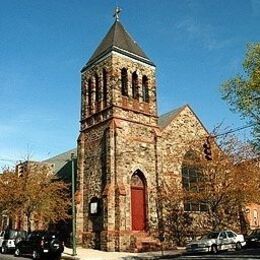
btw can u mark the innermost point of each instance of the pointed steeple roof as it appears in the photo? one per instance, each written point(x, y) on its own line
point(119, 40)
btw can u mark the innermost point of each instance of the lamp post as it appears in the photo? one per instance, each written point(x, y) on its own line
point(73, 207)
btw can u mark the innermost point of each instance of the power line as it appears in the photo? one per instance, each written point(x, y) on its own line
point(234, 130)
point(214, 136)
point(8, 160)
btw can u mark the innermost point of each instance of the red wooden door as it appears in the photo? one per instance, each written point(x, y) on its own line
point(138, 208)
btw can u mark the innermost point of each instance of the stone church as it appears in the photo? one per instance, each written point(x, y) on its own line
point(125, 149)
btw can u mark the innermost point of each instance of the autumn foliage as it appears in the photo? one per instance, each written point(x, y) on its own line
point(223, 186)
point(36, 195)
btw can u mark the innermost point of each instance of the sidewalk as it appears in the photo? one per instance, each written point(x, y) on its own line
point(86, 254)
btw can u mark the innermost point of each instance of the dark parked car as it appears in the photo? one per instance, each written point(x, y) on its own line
point(253, 239)
point(9, 238)
point(41, 244)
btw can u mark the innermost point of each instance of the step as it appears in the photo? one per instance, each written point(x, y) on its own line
point(146, 243)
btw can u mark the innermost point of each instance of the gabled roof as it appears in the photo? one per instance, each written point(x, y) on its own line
point(166, 119)
point(61, 161)
point(119, 40)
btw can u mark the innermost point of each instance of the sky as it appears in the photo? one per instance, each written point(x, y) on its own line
point(195, 44)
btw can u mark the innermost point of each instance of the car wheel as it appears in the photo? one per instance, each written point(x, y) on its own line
point(238, 246)
point(214, 249)
point(17, 252)
point(35, 254)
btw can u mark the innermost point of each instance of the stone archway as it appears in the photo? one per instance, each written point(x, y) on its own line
point(138, 201)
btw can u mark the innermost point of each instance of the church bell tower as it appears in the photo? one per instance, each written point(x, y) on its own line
point(117, 144)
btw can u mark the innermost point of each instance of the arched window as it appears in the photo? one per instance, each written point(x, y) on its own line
point(89, 94)
point(255, 215)
point(145, 89)
point(83, 98)
point(138, 180)
point(105, 87)
point(191, 174)
point(83, 86)
point(135, 85)
point(124, 82)
point(97, 88)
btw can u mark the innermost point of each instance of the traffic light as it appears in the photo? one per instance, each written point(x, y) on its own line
point(207, 149)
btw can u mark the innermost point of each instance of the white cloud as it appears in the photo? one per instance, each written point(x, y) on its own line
point(203, 33)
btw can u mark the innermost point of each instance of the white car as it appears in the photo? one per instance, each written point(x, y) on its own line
point(217, 241)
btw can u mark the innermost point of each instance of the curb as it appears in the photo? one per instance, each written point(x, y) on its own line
point(136, 257)
point(171, 256)
point(70, 257)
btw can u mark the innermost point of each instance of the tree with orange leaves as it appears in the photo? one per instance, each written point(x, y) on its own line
point(227, 183)
point(208, 194)
point(37, 194)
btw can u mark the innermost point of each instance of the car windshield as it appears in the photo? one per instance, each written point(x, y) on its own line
point(42, 235)
point(10, 234)
point(211, 235)
point(13, 234)
point(35, 235)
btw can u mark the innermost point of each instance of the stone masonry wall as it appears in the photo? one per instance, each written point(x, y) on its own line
point(174, 142)
point(136, 151)
point(119, 62)
point(115, 141)
point(95, 176)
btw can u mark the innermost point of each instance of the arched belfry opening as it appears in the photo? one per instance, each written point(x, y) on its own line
point(138, 201)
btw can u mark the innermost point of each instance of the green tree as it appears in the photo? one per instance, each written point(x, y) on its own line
point(243, 91)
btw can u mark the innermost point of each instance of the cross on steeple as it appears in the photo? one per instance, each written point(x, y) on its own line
point(117, 12)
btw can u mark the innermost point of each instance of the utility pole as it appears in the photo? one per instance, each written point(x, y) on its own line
point(73, 207)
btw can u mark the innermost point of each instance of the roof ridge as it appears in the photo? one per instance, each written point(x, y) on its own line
point(166, 118)
point(61, 154)
point(116, 24)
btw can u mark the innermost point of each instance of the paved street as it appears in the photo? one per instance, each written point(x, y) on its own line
point(11, 257)
point(230, 255)
point(243, 254)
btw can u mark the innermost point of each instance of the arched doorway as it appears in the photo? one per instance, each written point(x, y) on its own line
point(138, 201)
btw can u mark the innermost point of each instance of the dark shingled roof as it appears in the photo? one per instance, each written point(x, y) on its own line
point(118, 39)
point(62, 163)
point(165, 119)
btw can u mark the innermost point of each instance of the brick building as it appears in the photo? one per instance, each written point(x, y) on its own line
point(253, 215)
point(24, 169)
point(125, 150)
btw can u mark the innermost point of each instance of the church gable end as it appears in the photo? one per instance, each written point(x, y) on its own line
point(177, 135)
